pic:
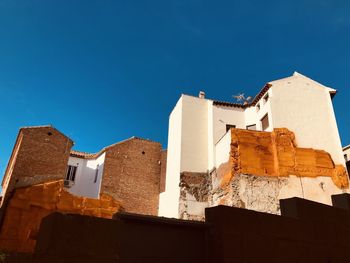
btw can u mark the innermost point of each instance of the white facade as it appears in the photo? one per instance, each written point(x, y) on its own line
point(88, 176)
point(346, 153)
point(197, 128)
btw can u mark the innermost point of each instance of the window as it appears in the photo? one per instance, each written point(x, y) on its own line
point(258, 107)
point(251, 127)
point(346, 157)
point(266, 98)
point(96, 174)
point(265, 122)
point(229, 126)
point(72, 170)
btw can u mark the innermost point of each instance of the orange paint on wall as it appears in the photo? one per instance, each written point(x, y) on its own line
point(29, 205)
point(276, 154)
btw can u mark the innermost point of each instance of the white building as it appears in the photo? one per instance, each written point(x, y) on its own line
point(346, 151)
point(198, 140)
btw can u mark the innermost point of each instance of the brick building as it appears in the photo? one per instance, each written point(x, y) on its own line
point(129, 171)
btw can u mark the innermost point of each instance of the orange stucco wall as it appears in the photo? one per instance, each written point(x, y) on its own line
point(29, 205)
point(276, 154)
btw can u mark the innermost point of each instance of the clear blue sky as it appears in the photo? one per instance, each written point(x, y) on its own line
point(103, 71)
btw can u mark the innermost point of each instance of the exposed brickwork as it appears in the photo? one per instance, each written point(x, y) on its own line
point(163, 160)
point(132, 175)
point(30, 204)
point(40, 154)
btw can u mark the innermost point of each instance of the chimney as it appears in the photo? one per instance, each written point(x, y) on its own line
point(201, 95)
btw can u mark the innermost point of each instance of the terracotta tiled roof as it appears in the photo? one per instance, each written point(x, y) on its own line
point(244, 106)
point(80, 154)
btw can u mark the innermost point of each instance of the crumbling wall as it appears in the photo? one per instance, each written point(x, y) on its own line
point(29, 205)
point(276, 154)
point(131, 174)
point(268, 166)
point(194, 193)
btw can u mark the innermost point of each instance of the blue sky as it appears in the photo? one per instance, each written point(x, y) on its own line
point(103, 71)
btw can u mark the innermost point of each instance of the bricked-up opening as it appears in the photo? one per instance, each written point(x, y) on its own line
point(229, 126)
point(71, 173)
point(265, 122)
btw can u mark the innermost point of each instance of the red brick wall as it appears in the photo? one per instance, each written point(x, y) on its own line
point(41, 154)
point(132, 175)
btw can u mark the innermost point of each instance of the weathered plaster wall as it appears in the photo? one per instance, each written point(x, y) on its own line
point(268, 166)
point(29, 205)
point(194, 193)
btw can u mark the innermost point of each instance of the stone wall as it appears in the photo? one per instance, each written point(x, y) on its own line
point(263, 168)
point(268, 166)
point(194, 194)
point(28, 205)
point(132, 175)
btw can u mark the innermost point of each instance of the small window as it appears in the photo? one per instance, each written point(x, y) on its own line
point(72, 170)
point(266, 98)
point(265, 123)
point(229, 126)
point(251, 127)
point(96, 174)
point(346, 157)
point(258, 107)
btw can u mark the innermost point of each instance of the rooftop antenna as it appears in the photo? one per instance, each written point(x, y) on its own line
point(241, 98)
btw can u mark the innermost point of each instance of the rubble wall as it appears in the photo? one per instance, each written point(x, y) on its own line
point(29, 205)
point(268, 166)
point(194, 193)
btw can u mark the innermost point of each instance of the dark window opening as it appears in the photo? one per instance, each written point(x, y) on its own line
point(96, 174)
point(72, 170)
point(258, 107)
point(266, 98)
point(251, 127)
point(265, 122)
point(229, 126)
point(143, 152)
point(49, 133)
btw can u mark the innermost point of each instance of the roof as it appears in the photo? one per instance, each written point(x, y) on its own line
point(17, 142)
point(247, 105)
point(44, 126)
point(86, 155)
point(346, 147)
point(265, 89)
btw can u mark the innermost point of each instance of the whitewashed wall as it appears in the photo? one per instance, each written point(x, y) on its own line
point(254, 116)
point(226, 115)
point(85, 175)
point(305, 107)
point(169, 199)
point(222, 150)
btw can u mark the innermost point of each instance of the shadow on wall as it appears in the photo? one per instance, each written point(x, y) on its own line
point(306, 232)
